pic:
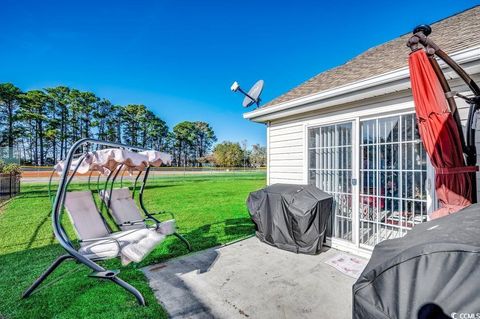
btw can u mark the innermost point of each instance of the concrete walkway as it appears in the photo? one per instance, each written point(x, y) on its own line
point(250, 279)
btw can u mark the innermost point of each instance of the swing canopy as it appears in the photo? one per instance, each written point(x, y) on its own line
point(109, 159)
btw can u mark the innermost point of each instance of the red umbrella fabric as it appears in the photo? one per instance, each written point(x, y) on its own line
point(440, 136)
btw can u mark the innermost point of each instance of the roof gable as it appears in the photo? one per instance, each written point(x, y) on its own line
point(452, 34)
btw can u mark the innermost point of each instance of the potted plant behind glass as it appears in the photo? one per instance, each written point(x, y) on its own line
point(9, 179)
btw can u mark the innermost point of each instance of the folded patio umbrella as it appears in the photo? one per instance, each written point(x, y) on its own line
point(441, 137)
point(452, 155)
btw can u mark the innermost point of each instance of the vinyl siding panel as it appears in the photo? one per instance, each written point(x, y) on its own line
point(287, 163)
point(277, 150)
point(285, 181)
point(286, 137)
point(463, 109)
point(286, 169)
point(285, 157)
point(287, 143)
point(276, 130)
point(286, 147)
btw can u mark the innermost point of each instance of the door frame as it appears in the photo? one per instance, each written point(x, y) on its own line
point(354, 117)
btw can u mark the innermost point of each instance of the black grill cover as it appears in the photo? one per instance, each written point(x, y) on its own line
point(437, 262)
point(291, 217)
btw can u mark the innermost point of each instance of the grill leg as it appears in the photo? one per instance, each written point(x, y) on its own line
point(44, 276)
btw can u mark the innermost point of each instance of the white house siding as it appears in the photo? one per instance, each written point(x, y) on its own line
point(287, 138)
point(286, 147)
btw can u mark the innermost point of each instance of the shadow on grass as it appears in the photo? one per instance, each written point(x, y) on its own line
point(35, 233)
point(74, 295)
point(33, 194)
point(77, 294)
point(203, 237)
point(158, 186)
point(240, 227)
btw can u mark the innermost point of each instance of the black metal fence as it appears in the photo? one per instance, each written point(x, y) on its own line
point(9, 185)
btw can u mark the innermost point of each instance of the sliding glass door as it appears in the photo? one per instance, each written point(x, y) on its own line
point(330, 169)
point(393, 170)
point(386, 155)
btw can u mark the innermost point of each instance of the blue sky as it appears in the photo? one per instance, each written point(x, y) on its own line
point(180, 57)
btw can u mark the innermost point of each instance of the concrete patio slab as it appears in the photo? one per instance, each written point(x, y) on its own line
point(250, 279)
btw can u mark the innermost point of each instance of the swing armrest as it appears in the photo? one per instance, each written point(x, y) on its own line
point(132, 222)
point(96, 239)
point(153, 221)
point(103, 238)
point(141, 221)
point(163, 213)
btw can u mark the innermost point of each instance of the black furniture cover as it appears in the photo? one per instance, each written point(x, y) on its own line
point(437, 262)
point(291, 217)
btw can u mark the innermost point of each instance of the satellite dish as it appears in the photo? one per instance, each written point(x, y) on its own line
point(253, 95)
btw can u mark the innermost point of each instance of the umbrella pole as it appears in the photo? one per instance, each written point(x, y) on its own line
point(450, 100)
point(461, 73)
point(470, 151)
point(468, 146)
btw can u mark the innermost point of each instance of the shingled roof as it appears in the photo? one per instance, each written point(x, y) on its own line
point(452, 34)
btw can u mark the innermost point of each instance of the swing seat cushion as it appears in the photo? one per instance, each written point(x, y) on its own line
point(123, 208)
point(131, 245)
point(84, 215)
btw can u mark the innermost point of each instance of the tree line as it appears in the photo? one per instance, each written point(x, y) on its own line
point(231, 154)
point(41, 125)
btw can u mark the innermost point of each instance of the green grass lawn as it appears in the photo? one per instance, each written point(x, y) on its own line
point(210, 210)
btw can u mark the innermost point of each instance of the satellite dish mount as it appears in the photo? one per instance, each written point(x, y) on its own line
point(253, 95)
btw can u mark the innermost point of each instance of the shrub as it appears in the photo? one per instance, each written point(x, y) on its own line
point(228, 154)
point(9, 168)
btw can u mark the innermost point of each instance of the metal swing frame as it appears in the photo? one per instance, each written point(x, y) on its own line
point(149, 216)
point(98, 271)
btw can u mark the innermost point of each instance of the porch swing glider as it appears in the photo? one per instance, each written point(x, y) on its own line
point(137, 235)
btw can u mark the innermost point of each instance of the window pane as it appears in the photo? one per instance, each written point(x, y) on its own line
point(314, 137)
point(312, 178)
point(407, 154)
point(315, 157)
point(392, 174)
point(388, 129)
point(368, 132)
point(408, 124)
point(420, 157)
point(388, 158)
point(330, 163)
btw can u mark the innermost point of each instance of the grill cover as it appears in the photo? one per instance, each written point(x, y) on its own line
point(291, 217)
point(436, 262)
